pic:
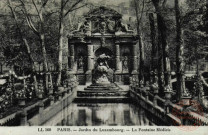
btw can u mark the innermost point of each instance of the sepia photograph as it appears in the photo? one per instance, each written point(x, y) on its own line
point(104, 66)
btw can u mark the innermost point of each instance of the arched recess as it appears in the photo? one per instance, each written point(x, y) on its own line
point(81, 57)
point(106, 51)
point(110, 62)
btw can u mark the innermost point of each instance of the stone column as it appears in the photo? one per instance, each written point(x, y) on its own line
point(89, 63)
point(118, 67)
point(135, 61)
point(71, 57)
point(118, 58)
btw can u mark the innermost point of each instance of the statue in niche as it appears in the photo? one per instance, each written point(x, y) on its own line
point(111, 25)
point(102, 27)
point(80, 63)
point(125, 63)
point(96, 25)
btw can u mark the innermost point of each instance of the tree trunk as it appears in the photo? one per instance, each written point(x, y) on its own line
point(165, 48)
point(141, 60)
point(206, 18)
point(45, 64)
point(32, 63)
point(162, 29)
point(160, 62)
point(44, 53)
point(179, 53)
point(60, 58)
point(60, 49)
point(153, 39)
point(141, 45)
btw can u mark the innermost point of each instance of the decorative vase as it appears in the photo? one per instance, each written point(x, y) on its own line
point(167, 95)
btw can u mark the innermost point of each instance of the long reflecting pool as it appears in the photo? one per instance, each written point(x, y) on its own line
point(97, 114)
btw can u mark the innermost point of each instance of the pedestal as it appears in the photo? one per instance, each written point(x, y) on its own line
point(117, 78)
point(23, 118)
point(88, 77)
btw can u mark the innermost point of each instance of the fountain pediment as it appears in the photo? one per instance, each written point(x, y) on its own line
point(102, 21)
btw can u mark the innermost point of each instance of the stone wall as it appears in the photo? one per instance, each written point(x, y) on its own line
point(47, 113)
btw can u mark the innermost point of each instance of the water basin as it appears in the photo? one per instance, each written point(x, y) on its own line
point(100, 114)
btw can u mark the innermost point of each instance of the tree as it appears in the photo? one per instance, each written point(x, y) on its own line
point(179, 53)
point(206, 17)
point(40, 33)
point(138, 9)
point(62, 16)
point(163, 40)
point(25, 42)
point(153, 40)
point(193, 22)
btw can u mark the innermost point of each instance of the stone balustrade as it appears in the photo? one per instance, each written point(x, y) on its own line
point(26, 113)
point(165, 110)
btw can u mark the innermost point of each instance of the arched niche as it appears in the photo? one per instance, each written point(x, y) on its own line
point(106, 51)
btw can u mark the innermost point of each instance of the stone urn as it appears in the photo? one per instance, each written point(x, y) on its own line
point(40, 92)
point(147, 87)
point(168, 92)
point(154, 88)
point(168, 95)
point(50, 89)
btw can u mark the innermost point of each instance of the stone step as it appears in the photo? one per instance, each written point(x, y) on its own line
point(112, 90)
point(102, 86)
point(109, 85)
point(96, 89)
point(120, 99)
point(91, 86)
point(109, 91)
point(102, 89)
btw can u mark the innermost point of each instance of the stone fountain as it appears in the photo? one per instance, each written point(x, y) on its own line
point(102, 87)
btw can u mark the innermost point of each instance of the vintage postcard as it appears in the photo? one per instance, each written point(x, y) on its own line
point(103, 67)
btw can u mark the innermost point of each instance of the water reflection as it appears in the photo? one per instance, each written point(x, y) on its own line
point(111, 114)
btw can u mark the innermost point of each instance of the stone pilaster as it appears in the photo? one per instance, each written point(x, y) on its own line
point(89, 63)
point(71, 57)
point(118, 64)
